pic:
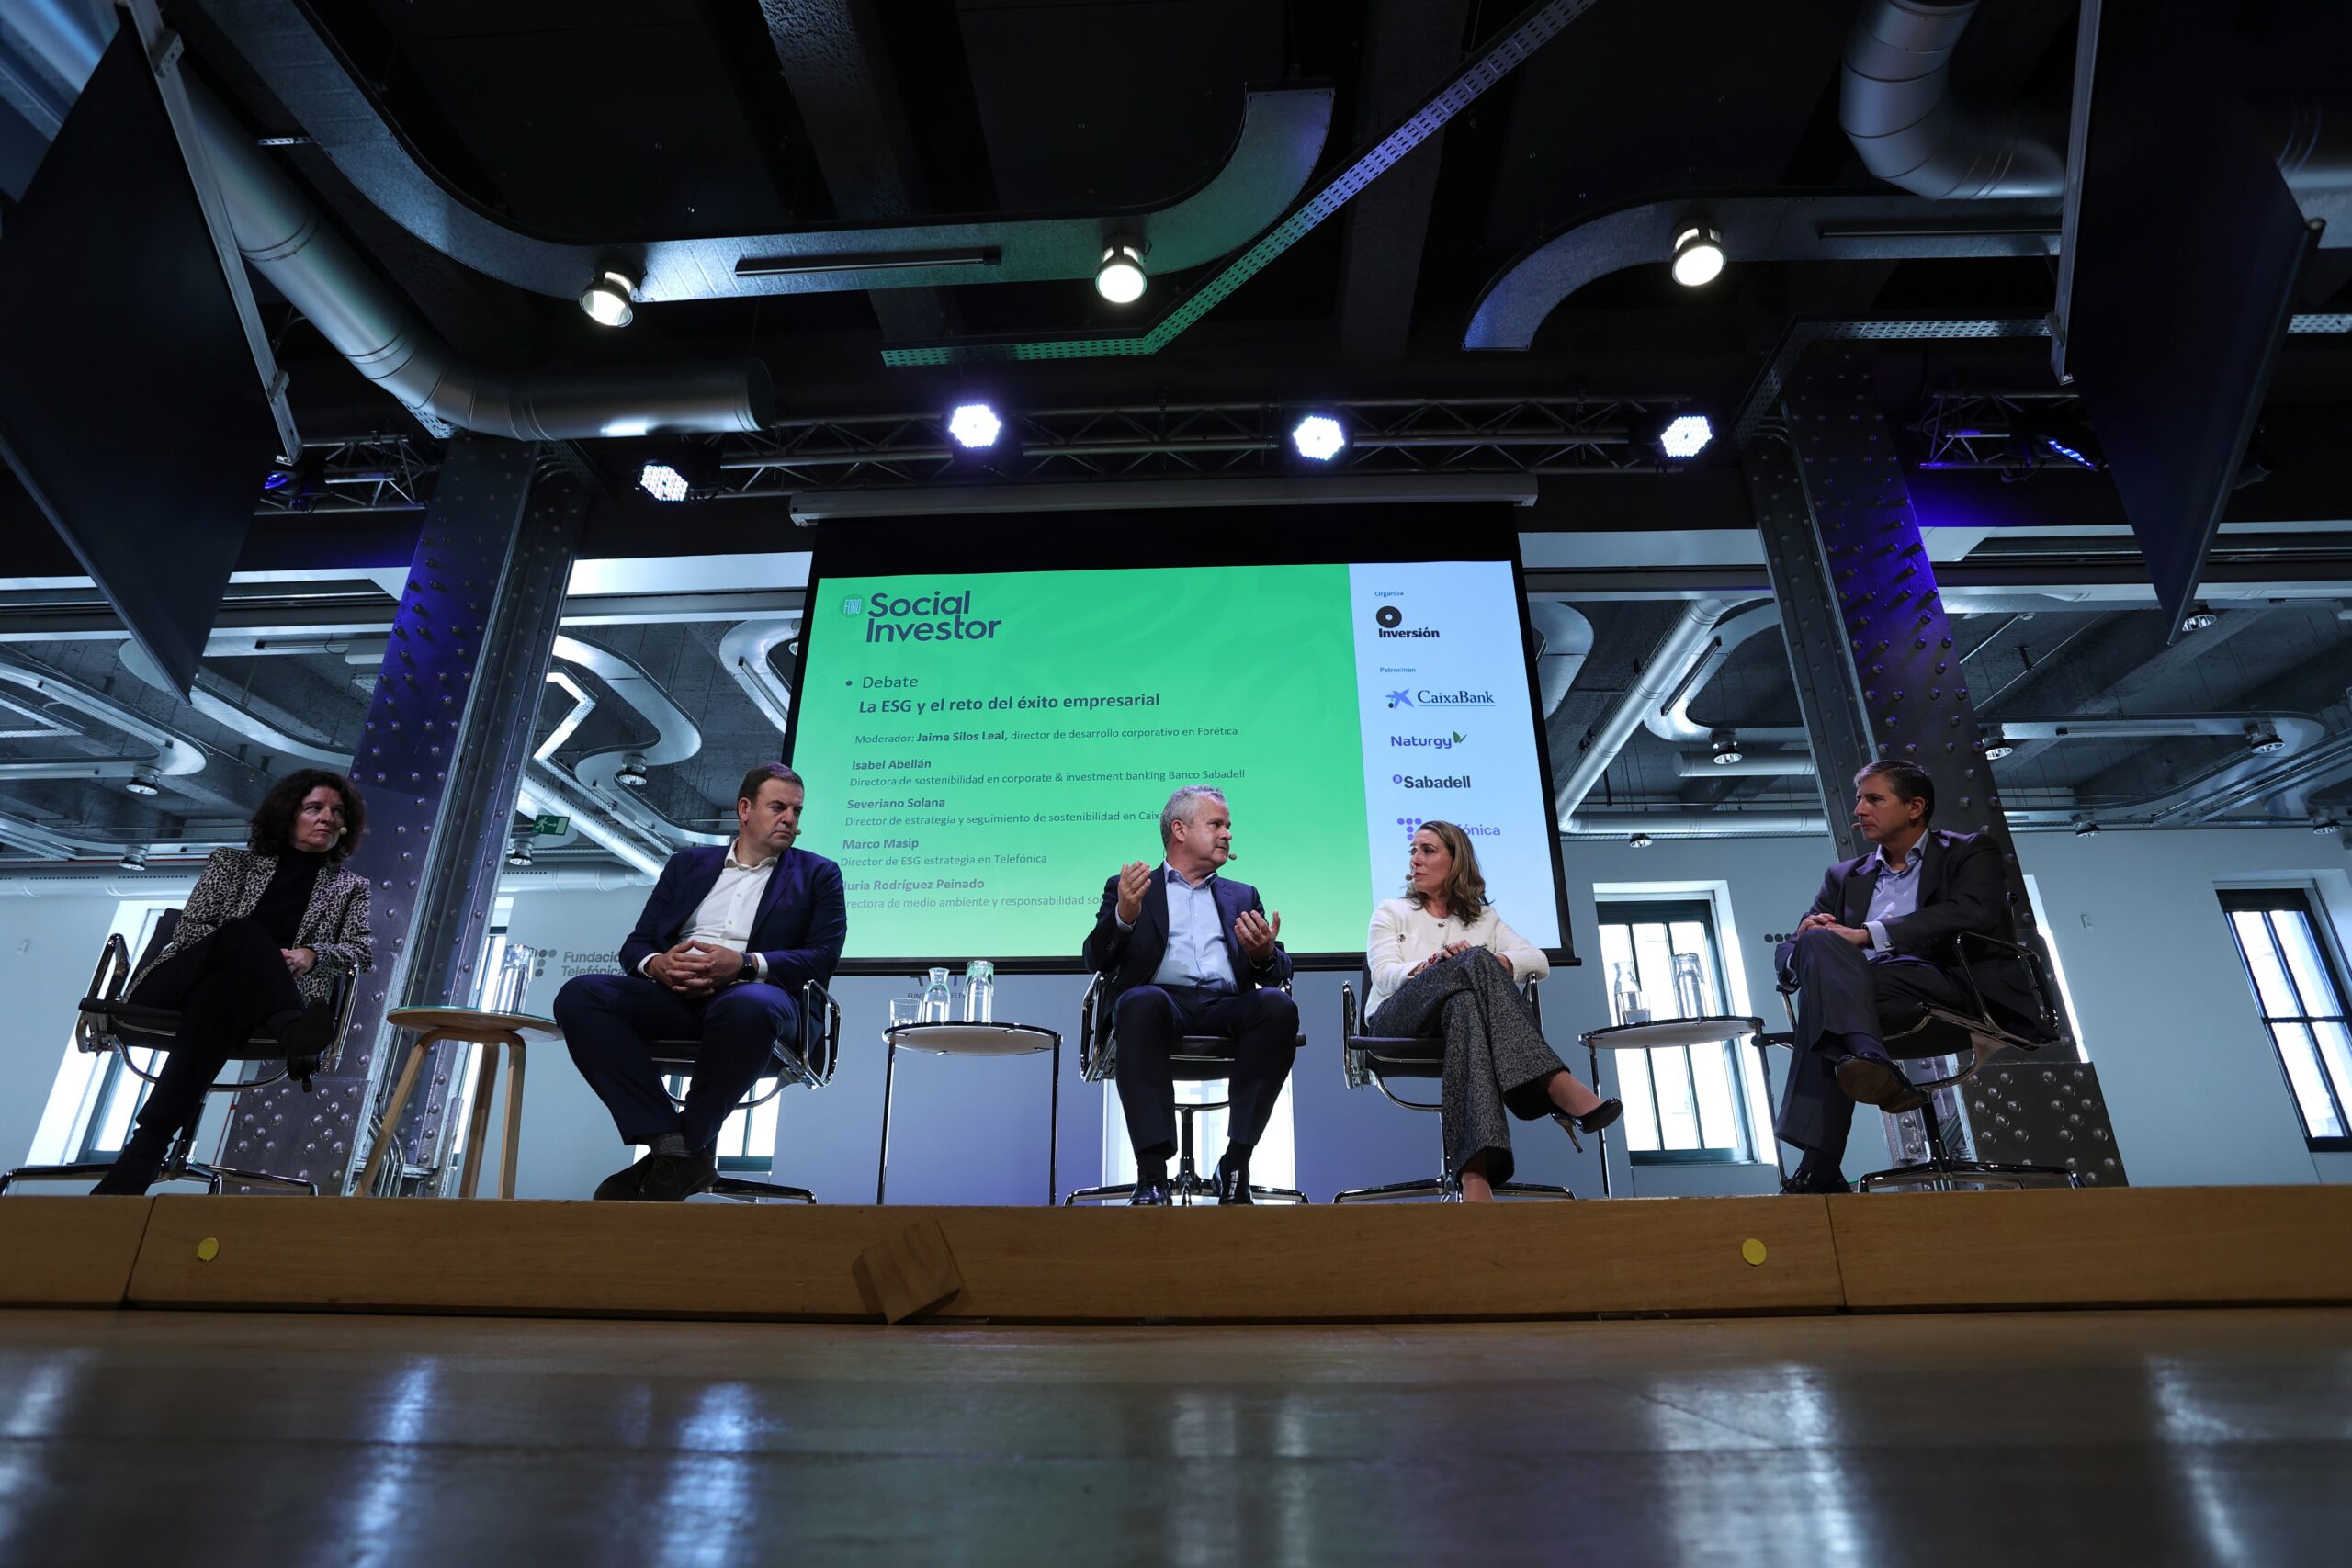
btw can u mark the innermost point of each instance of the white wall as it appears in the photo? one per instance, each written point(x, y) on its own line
point(2191, 1081)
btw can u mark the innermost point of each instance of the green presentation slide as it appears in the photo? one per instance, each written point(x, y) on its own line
point(982, 749)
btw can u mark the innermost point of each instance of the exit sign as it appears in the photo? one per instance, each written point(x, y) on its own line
point(546, 826)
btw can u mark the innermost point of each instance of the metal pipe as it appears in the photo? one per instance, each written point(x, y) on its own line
point(743, 651)
point(1896, 106)
point(1771, 764)
point(286, 239)
point(176, 756)
point(1565, 639)
point(1617, 822)
point(1671, 720)
point(1667, 666)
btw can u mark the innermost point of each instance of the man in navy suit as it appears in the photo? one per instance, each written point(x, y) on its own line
point(1190, 952)
point(1880, 937)
point(727, 940)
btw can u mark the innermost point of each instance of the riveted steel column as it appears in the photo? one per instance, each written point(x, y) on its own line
point(448, 733)
point(1901, 695)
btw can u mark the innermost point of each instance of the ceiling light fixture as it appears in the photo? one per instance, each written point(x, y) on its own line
point(1120, 278)
point(1639, 840)
point(1319, 437)
point(662, 482)
point(2086, 826)
point(1687, 436)
point(606, 299)
point(145, 781)
point(1995, 748)
point(1698, 254)
point(134, 858)
point(974, 426)
point(2263, 739)
point(519, 853)
point(2199, 619)
point(631, 772)
point(1726, 747)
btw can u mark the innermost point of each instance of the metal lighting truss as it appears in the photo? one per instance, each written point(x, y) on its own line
point(1538, 436)
point(2004, 432)
point(383, 474)
point(1450, 435)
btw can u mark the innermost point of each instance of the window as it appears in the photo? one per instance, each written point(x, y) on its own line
point(1683, 1104)
point(2300, 994)
point(94, 1098)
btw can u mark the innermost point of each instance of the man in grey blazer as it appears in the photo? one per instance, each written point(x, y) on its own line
point(1879, 938)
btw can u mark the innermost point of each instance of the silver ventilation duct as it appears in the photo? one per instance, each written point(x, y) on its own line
point(1897, 105)
point(1565, 639)
point(287, 240)
point(1667, 670)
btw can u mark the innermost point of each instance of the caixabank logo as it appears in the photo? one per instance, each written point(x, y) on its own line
point(936, 615)
point(1391, 623)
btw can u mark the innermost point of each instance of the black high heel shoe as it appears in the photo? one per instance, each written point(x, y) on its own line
point(1601, 1115)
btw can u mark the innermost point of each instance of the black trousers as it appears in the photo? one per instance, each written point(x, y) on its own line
point(608, 1019)
point(1263, 1026)
point(1840, 991)
point(225, 987)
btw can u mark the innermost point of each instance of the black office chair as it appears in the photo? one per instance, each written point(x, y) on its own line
point(1197, 1058)
point(1374, 1059)
point(808, 1060)
point(1974, 1035)
point(110, 1023)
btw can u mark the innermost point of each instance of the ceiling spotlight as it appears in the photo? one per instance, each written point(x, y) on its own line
point(1687, 436)
point(1698, 254)
point(2263, 739)
point(1726, 747)
point(278, 478)
point(606, 299)
point(1995, 748)
point(520, 854)
point(1639, 840)
point(662, 482)
point(2086, 826)
point(2325, 824)
point(134, 858)
point(1120, 278)
point(145, 781)
point(2199, 619)
point(974, 426)
point(1319, 437)
point(631, 772)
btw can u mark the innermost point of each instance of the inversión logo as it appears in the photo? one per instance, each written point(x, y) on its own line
point(1391, 624)
point(1462, 699)
point(936, 616)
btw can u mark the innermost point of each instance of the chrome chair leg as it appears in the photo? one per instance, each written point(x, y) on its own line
point(1095, 1194)
point(212, 1176)
point(90, 1168)
point(1442, 1188)
point(745, 1189)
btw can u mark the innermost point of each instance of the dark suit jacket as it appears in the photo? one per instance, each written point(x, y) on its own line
point(799, 927)
point(1132, 957)
point(1961, 889)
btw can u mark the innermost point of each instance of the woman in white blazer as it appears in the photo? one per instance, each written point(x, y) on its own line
point(266, 930)
point(1443, 962)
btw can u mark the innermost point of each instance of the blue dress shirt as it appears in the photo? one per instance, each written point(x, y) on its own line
point(1893, 895)
point(1196, 954)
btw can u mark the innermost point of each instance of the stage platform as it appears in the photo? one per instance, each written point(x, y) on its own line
point(2127, 1247)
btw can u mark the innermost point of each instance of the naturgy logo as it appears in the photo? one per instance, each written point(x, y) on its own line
point(936, 616)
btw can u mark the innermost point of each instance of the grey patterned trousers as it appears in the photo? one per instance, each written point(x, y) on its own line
point(1496, 1059)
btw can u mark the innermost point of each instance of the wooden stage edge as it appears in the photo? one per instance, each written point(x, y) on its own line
point(1692, 1256)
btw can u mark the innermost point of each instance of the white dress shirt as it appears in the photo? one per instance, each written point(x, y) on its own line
point(724, 917)
point(1402, 935)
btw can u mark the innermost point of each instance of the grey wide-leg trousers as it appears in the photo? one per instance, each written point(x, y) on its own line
point(1496, 1060)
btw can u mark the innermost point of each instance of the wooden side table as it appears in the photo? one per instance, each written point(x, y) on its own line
point(491, 1029)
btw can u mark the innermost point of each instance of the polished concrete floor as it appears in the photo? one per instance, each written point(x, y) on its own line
point(2138, 1437)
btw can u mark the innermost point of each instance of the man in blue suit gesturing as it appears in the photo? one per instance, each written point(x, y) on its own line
point(1190, 953)
point(726, 942)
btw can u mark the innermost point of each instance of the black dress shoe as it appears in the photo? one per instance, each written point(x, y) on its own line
point(636, 1185)
point(1874, 1080)
point(1805, 1180)
point(669, 1180)
point(1233, 1183)
point(1151, 1195)
point(1604, 1114)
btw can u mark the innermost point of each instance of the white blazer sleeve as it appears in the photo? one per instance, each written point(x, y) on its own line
point(1385, 950)
point(1527, 962)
